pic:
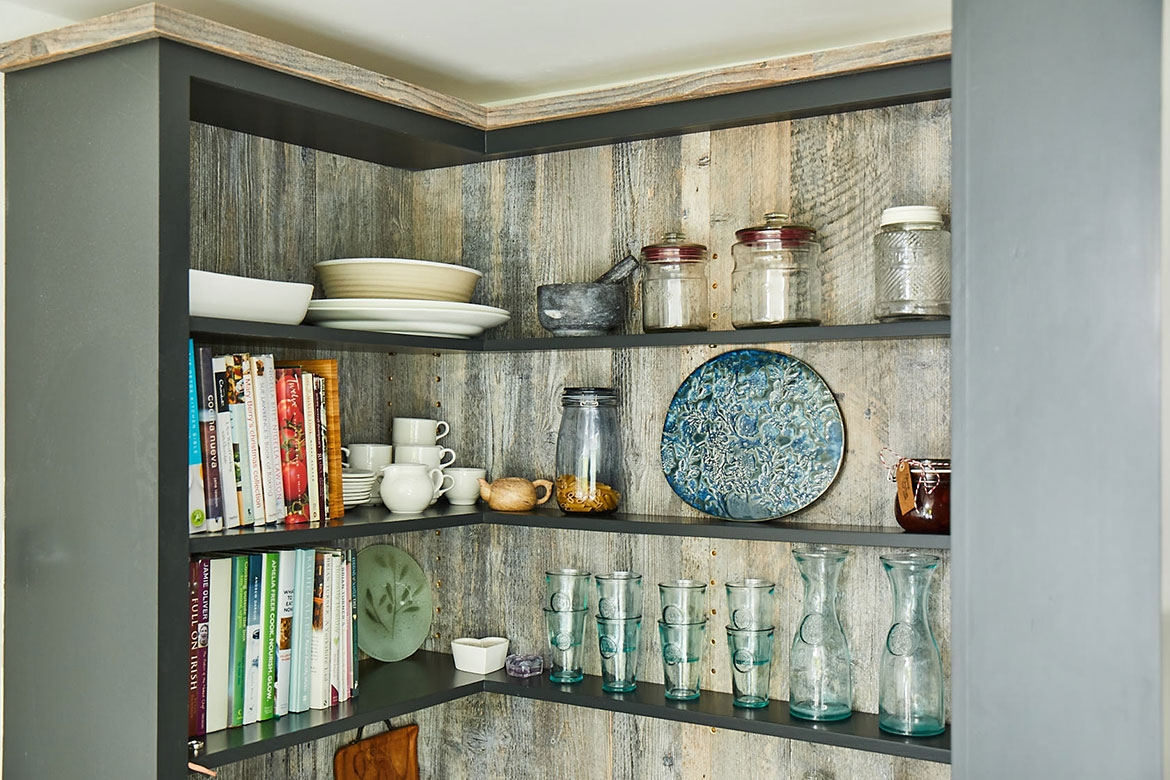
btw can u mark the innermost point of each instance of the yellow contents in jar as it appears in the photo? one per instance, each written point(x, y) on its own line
point(576, 496)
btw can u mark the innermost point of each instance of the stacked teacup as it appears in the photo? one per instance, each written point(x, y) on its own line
point(750, 605)
point(682, 629)
point(416, 440)
point(619, 625)
point(361, 468)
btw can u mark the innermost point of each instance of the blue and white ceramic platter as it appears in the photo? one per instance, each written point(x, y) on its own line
point(752, 435)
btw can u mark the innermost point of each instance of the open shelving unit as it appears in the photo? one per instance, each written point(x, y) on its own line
point(137, 268)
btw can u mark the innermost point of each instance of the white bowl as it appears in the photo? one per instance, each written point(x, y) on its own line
point(392, 277)
point(479, 656)
point(241, 298)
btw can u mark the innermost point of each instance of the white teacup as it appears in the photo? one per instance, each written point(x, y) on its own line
point(418, 431)
point(465, 489)
point(434, 456)
point(368, 457)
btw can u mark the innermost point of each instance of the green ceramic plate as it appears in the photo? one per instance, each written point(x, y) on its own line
point(394, 603)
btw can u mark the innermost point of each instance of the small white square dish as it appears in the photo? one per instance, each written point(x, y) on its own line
point(479, 656)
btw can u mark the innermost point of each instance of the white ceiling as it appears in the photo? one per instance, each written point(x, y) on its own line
point(495, 51)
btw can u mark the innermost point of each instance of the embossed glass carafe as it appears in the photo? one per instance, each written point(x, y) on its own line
point(819, 679)
point(910, 678)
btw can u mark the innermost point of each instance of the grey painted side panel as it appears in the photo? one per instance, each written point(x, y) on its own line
point(81, 616)
point(1056, 389)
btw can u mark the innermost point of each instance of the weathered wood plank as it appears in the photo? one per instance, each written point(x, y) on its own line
point(152, 20)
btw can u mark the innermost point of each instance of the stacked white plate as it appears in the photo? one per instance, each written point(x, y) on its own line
point(356, 486)
point(415, 318)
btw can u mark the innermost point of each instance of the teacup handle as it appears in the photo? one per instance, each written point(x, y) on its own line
point(443, 453)
point(442, 429)
point(345, 452)
point(439, 489)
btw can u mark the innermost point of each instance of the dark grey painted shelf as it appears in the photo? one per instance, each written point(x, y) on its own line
point(359, 521)
point(225, 331)
point(376, 521)
point(859, 732)
point(386, 691)
point(426, 679)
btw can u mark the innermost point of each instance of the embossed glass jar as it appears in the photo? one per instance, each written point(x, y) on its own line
point(777, 277)
point(674, 285)
point(589, 451)
point(912, 265)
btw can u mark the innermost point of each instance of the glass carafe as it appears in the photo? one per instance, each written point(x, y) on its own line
point(819, 678)
point(910, 679)
point(589, 451)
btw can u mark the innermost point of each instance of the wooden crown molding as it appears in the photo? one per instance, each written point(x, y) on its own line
point(153, 20)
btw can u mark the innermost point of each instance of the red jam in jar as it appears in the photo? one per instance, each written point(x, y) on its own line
point(931, 482)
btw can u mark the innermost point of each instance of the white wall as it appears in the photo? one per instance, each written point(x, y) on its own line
point(16, 21)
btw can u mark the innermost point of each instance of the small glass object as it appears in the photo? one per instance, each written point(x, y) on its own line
point(819, 678)
point(683, 601)
point(566, 630)
point(912, 265)
point(910, 677)
point(751, 665)
point(777, 277)
point(750, 603)
point(682, 658)
point(619, 595)
point(566, 590)
point(589, 451)
point(674, 285)
point(617, 641)
point(518, 665)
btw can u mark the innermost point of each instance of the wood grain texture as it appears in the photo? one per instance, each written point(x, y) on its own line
point(152, 20)
point(267, 209)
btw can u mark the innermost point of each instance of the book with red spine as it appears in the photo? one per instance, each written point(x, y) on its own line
point(290, 416)
point(199, 580)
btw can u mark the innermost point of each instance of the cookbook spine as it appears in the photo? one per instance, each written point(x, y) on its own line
point(252, 685)
point(212, 488)
point(196, 504)
point(252, 423)
point(294, 467)
point(197, 658)
point(318, 682)
point(237, 655)
point(335, 631)
point(241, 461)
point(308, 395)
point(353, 622)
point(219, 635)
point(268, 636)
point(264, 390)
point(322, 445)
point(228, 476)
point(284, 628)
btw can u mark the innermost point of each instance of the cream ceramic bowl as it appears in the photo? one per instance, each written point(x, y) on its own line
point(387, 277)
point(241, 298)
point(480, 656)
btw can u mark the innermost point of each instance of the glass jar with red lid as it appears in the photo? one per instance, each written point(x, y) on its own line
point(777, 277)
point(674, 285)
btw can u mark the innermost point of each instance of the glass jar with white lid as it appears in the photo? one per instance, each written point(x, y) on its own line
point(912, 265)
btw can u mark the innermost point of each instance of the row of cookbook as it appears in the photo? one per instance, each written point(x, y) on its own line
point(261, 447)
point(272, 632)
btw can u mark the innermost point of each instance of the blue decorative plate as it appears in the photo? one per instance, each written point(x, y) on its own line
point(752, 435)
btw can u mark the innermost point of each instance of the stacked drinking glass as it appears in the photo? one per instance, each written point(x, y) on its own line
point(682, 629)
point(749, 640)
point(566, 602)
point(619, 623)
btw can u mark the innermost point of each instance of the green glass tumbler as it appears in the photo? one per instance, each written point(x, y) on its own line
point(682, 658)
point(619, 595)
point(751, 665)
point(683, 601)
point(617, 641)
point(566, 590)
point(910, 677)
point(566, 630)
point(751, 603)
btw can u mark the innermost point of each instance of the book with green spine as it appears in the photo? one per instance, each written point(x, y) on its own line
point(237, 652)
point(269, 600)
